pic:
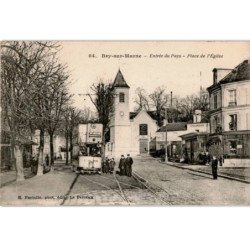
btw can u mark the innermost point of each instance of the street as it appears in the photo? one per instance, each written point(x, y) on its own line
point(153, 183)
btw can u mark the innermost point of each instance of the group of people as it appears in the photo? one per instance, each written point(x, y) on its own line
point(108, 165)
point(125, 165)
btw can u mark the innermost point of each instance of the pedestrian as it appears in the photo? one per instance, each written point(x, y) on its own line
point(128, 165)
point(47, 159)
point(107, 166)
point(208, 158)
point(122, 165)
point(104, 165)
point(214, 164)
point(112, 165)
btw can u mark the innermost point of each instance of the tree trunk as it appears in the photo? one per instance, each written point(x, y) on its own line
point(13, 157)
point(71, 146)
point(51, 158)
point(67, 148)
point(40, 154)
point(19, 162)
point(103, 145)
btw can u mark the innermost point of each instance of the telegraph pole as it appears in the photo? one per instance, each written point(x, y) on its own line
point(166, 136)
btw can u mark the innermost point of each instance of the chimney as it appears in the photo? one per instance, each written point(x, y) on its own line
point(215, 75)
point(197, 116)
point(219, 74)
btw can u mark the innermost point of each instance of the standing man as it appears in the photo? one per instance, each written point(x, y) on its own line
point(214, 167)
point(112, 165)
point(208, 158)
point(122, 165)
point(128, 165)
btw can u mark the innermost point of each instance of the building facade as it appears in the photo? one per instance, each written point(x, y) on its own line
point(184, 138)
point(59, 145)
point(230, 111)
point(130, 132)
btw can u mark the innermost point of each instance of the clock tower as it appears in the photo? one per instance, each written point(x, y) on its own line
point(120, 129)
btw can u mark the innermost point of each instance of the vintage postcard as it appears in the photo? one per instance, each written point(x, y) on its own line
point(125, 123)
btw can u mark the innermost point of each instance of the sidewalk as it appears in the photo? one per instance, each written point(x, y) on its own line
point(234, 173)
point(47, 190)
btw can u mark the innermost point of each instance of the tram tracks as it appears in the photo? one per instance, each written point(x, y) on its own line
point(121, 193)
point(149, 186)
point(122, 189)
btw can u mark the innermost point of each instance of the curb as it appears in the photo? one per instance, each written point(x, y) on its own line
point(200, 171)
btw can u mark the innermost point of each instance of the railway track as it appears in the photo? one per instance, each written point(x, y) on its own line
point(121, 193)
point(121, 190)
point(121, 186)
point(149, 186)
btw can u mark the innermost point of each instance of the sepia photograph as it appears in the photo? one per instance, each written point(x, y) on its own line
point(125, 123)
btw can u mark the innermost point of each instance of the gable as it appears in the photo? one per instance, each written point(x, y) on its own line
point(143, 117)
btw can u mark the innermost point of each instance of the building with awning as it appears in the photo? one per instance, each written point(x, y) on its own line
point(195, 144)
point(229, 97)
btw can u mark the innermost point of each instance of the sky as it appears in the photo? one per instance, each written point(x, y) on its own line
point(181, 67)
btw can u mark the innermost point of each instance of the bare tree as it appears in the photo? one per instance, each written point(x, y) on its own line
point(141, 100)
point(159, 101)
point(31, 72)
point(103, 100)
point(187, 105)
point(57, 98)
point(20, 69)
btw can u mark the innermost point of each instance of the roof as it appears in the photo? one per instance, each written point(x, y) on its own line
point(152, 114)
point(120, 81)
point(132, 115)
point(192, 135)
point(239, 73)
point(177, 126)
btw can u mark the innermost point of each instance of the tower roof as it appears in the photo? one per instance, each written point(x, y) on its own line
point(120, 81)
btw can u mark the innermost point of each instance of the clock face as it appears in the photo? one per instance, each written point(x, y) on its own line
point(121, 113)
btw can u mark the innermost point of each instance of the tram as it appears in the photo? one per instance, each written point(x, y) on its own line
point(87, 155)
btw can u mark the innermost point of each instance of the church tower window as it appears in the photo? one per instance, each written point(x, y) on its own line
point(121, 97)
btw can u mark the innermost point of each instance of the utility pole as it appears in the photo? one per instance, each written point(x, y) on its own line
point(166, 136)
point(171, 98)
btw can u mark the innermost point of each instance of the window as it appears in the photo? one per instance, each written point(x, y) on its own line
point(232, 147)
point(143, 129)
point(232, 97)
point(215, 101)
point(121, 97)
point(233, 122)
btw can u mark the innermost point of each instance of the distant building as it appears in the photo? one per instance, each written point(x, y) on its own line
point(230, 110)
point(7, 152)
point(59, 144)
point(130, 132)
point(184, 138)
point(174, 131)
point(195, 140)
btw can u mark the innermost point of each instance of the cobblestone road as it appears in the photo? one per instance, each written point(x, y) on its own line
point(190, 188)
point(167, 186)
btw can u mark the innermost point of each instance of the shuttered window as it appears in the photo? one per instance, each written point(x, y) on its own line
point(121, 97)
